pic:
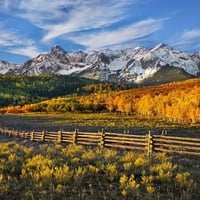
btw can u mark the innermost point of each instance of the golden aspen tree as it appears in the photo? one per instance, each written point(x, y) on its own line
point(110, 103)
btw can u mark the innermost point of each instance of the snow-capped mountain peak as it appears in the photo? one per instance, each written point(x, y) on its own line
point(56, 49)
point(161, 46)
point(133, 64)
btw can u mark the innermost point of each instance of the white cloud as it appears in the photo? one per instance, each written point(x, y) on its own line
point(91, 23)
point(64, 16)
point(13, 42)
point(189, 40)
point(29, 51)
point(89, 15)
point(40, 12)
point(8, 5)
point(191, 35)
point(121, 35)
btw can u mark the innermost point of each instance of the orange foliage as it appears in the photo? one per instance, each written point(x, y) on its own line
point(14, 109)
point(178, 101)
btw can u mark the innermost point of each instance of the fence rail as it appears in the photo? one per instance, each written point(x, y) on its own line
point(149, 143)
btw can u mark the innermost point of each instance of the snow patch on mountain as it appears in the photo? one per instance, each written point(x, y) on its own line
point(6, 67)
point(133, 64)
point(174, 58)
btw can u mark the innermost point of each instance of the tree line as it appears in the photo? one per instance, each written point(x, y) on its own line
point(178, 101)
point(21, 90)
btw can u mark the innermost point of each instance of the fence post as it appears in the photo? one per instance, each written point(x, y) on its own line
point(164, 132)
point(23, 134)
point(75, 135)
point(102, 138)
point(60, 136)
point(10, 133)
point(149, 143)
point(43, 136)
point(17, 133)
point(20, 133)
point(32, 135)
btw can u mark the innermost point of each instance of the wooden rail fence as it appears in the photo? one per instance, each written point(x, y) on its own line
point(149, 143)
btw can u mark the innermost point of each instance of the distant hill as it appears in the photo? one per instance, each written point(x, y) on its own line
point(20, 90)
point(167, 74)
point(23, 89)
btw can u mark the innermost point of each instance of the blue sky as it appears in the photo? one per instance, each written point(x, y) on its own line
point(31, 27)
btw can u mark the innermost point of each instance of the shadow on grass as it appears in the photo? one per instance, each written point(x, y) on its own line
point(94, 122)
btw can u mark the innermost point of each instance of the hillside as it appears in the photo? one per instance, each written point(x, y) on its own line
point(177, 101)
point(23, 89)
point(167, 74)
point(20, 90)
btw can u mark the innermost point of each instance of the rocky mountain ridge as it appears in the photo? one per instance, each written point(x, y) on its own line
point(130, 65)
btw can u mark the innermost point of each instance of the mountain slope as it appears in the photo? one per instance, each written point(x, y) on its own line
point(6, 67)
point(129, 65)
point(167, 74)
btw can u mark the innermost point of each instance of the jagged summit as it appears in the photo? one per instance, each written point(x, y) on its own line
point(132, 65)
point(161, 45)
point(57, 50)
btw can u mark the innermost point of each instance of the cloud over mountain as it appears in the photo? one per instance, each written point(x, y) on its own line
point(29, 27)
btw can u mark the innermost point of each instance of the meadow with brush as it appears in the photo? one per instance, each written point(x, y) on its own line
point(55, 171)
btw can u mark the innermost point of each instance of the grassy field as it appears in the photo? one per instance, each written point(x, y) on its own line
point(94, 122)
point(31, 171)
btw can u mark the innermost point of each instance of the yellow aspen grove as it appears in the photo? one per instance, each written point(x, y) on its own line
point(110, 104)
point(145, 105)
point(178, 101)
